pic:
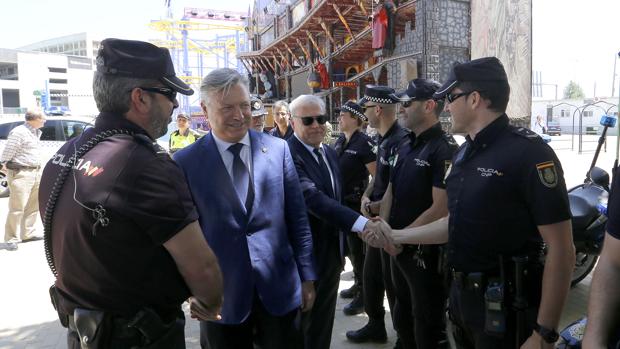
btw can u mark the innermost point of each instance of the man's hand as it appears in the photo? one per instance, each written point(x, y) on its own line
point(363, 206)
point(204, 312)
point(377, 233)
point(308, 295)
point(393, 250)
point(536, 342)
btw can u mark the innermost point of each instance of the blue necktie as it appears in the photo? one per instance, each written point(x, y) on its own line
point(241, 177)
point(327, 179)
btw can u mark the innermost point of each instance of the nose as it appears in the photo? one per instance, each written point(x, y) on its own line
point(175, 104)
point(446, 106)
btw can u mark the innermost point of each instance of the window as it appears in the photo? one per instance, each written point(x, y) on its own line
point(588, 113)
point(56, 70)
point(564, 113)
point(8, 71)
point(49, 132)
point(72, 129)
point(58, 81)
point(6, 128)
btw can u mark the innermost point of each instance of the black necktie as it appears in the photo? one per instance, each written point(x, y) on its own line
point(327, 178)
point(241, 177)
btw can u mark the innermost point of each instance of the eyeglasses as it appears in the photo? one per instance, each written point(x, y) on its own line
point(453, 97)
point(309, 120)
point(169, 93)
point(369, 106)
point(407, 104)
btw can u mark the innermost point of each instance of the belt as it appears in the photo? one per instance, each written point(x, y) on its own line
point(469, 281)
point(119, 328)
point(23, 168)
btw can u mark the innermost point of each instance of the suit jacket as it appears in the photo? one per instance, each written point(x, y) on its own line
point(268, 251)
point(329, 218)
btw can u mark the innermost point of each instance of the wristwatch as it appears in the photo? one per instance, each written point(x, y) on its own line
point(548, 335)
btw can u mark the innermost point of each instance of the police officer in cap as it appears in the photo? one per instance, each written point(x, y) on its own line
point(184, 135)
point(121, 229)
point(380, 106)
point(357, 161)
point(506, 196)
point(416, 196)
point(258, 114)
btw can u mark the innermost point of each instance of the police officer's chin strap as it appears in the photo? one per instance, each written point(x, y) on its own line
point(99, 212)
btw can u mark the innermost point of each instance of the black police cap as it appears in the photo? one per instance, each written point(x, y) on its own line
point(139, 59)
point(379, 94)
point(419, 90)
point(488, 69)
point(257, 106)
point(353, 108)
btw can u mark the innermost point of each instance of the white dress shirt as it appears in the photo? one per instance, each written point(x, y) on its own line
point(245, 154)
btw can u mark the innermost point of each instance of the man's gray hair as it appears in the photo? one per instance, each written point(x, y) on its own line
point(279, 104)
point(220, 80)
point(306, 100)
point(112, 93)
point(33, 114)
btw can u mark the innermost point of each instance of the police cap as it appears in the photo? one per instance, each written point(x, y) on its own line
point(353, 108)
point(183, 116)
point(419, 90)
point(482, 70)
point(257, 106)
point(379, 94)
point(139, 59)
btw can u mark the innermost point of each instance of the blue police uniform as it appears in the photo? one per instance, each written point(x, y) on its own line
point(417, 272)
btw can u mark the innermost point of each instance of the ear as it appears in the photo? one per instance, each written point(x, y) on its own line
point(140, 101)
point(430, 105)
point(476, 100)
point(204, 110)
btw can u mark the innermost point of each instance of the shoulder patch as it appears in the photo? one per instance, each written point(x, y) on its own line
point(449, 139)
point(526, 133)
point(547, 174)
point(149, 143)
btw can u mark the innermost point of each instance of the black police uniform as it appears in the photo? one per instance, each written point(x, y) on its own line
point(276, 132)
point(353, 156)
point(501, 186)
point(122, 267)
point(613, 229)
point(377, 275)
point(417, 272)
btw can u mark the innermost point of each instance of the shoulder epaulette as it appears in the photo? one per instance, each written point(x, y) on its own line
point(149, 143)
point(450, 140)
point(526, 133)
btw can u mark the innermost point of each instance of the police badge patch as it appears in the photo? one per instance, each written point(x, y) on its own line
point(547, 174)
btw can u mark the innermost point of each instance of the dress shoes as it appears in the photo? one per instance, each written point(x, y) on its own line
point(350, 292)
point(374, 331)
point(355, 307)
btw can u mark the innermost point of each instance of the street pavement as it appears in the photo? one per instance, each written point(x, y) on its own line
point(27, 319)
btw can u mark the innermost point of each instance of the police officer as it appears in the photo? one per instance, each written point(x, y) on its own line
point(357, 161)
point(506, 195)
point(380, 105)
point(184, 135)
point(416, 196)
point(258, 114)
point(602, 330)
point(121, 229)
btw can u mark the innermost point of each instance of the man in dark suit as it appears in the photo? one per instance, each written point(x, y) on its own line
point(321, 183)
point(252, 213)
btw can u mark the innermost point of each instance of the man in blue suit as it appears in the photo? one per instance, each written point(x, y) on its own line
point(253, 215)
point(321, 183)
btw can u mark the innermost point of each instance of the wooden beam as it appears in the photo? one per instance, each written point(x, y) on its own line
point(273, 68)
point(329, 35)
point(246, 66)
point(316, 46)
point(290, 67)
point(301, 45)
point(360, 3)
point(278, 63)
point(342, 19)
point(292, 54)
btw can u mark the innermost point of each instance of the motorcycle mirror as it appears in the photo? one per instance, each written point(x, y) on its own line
point(599, 176)
point(608, 120)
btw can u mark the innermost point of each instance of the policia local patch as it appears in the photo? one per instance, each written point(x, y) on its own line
point(547, 174)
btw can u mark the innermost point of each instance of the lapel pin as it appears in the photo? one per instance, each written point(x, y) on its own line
point(263, 149)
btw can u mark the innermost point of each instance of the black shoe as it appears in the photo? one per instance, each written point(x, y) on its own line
point(355, 307)
point(398, 345)
point(372, 332)
point(350, 292)
point(34, 238)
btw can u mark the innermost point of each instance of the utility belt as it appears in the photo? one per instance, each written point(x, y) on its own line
point(97, 329)
point(18, 167)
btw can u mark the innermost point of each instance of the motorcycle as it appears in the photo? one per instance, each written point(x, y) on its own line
point(588, 205)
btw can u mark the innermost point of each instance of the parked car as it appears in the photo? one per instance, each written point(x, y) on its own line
point(57, 130)
point(554, 129)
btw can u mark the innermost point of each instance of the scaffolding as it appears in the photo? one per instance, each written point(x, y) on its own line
point(202, 40)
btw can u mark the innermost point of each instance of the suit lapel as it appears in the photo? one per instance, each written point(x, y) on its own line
point(260, 165)
point(332, 160)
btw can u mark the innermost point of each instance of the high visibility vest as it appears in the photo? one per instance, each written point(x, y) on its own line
point(178, 141)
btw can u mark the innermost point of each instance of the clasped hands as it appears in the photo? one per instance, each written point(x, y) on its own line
point(377, 233)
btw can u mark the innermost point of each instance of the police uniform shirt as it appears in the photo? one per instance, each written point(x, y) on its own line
point(123, 266)
point(501, 186)
point(421, 164)
point(613, 224)
point(386, 154)
point(276, 132)
point(353, 157)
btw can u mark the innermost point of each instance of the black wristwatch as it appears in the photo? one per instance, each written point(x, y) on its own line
point(548, 335)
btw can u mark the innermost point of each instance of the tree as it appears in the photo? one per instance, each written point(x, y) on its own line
point(573, 91)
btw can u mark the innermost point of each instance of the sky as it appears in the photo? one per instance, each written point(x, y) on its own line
point(572, 39)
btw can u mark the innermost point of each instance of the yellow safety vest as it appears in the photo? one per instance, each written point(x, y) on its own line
point(178, 141)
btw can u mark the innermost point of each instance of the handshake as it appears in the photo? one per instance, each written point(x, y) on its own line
point(377, 233)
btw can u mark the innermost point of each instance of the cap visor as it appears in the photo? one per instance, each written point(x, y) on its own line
point(445, 89)
point(401, 96)
point(362, 101)
point(176, 84)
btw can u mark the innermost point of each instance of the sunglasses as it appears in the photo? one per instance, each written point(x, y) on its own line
point(407, 104)
point(453, 97)
point(169, 93)
point(369, 106)
point(309, 120)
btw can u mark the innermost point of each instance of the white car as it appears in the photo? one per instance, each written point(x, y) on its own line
point(56, 131)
